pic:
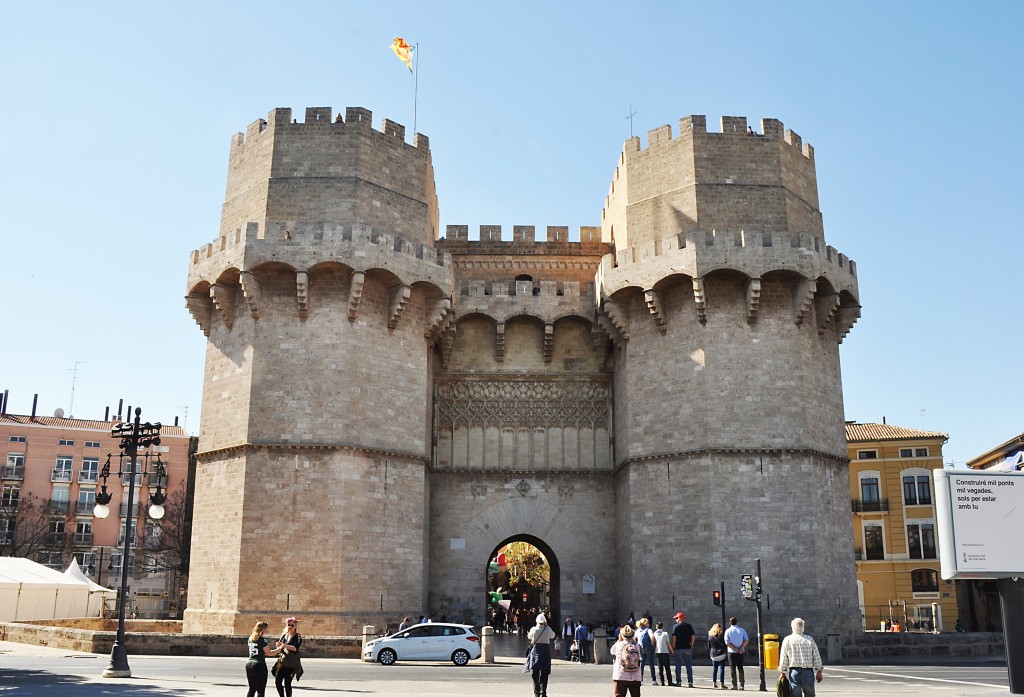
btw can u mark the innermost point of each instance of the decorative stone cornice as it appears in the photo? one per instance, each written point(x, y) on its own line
point(348, 447)
point(698, 452)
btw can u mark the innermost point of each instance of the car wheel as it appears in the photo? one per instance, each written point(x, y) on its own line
point(460, 657)
point(387, 657)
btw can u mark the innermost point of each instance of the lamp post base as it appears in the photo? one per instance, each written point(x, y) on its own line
point(118, 667)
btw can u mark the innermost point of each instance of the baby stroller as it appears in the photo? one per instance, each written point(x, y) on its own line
point(574, 652)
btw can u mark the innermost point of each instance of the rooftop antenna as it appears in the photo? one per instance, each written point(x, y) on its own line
point(632, 113)
point(922, 419)
point(74, 378)
point(184, 408)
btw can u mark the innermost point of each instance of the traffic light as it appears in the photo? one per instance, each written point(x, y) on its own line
point(716, 596)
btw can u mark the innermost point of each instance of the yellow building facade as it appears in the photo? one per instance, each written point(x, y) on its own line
point(895, 541)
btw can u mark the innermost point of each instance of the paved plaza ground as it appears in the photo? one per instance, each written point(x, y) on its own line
point(31, 671)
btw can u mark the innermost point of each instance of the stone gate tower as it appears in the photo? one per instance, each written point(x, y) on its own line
point(654, 406)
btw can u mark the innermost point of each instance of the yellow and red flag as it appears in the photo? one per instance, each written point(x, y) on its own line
point(403, 50)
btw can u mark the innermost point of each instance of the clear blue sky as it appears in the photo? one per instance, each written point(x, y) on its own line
point(117, 118)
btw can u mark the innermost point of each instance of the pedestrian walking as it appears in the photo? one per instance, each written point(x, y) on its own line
point(256, 666)
point(683, 641)
point(800, 661)
point(626, 675)
point(736, 641)
point(541, 636)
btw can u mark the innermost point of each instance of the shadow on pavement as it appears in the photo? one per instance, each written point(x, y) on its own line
point(36, 682)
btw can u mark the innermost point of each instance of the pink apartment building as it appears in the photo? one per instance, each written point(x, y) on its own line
point(50, 475)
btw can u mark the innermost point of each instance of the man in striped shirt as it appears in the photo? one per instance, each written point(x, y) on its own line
point(800, 661)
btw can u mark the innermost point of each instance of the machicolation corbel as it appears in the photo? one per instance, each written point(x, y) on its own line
point(223, 298)
point(700, 300)
point(201, 309)
point(653, 299)
point(355, 294)
point(302, 293)
point(499, 342)
point(251, 293)
point(826, 306)
point(803, 299)
point(753, 299)
point(399, 298)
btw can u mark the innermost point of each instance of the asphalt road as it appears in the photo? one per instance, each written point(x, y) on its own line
point(31, 671)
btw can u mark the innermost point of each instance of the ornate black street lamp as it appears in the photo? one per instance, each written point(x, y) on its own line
point(134, 435)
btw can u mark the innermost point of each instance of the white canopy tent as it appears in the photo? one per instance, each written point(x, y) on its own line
point(31, 591)
point(98, 595)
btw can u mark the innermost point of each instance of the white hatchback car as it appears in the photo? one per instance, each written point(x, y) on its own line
point(431, 641)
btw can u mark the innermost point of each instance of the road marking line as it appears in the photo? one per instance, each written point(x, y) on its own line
point(914, 677)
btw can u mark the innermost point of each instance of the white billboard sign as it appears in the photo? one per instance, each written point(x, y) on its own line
point(979, 514)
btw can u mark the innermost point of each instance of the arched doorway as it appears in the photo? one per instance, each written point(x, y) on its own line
point(520, 574)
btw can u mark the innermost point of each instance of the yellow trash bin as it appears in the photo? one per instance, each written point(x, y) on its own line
point(771, 651)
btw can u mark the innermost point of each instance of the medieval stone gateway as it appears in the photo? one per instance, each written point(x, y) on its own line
point(657, 404)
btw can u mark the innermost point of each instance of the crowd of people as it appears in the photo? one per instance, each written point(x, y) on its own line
point(638, 647)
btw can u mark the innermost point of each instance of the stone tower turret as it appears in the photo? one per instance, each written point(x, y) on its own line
point(727, 308)
point(321, 299)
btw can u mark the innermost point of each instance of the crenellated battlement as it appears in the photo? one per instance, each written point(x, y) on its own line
point(697, 253)
point(302, 245)
point(735, 178)
point(731, 126)
point(318, 120)
point(524, 233)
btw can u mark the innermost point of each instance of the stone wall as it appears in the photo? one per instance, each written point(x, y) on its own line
point(147, 641)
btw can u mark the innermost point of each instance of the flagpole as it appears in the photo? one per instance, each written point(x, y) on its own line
point(415, 88)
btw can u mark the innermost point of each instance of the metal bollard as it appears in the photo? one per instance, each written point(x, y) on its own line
point(487, 644)
point(369, 633)
point(601, 654)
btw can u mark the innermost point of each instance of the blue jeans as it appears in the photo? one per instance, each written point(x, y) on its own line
point(684, 655)
point(647, 659)
point(718, 671)
point(801, 681)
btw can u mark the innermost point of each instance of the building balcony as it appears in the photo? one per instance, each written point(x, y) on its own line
point(60, 475)
point(86, 508)
point(58, 506)
point(13, 472)
point(90, 477)
point(124, 509)
point(83, 538)
point(56, 538)
point(869, 506)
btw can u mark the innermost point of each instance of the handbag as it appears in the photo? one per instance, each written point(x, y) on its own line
point(782, 687)
point(288, 659)
point(531, 657)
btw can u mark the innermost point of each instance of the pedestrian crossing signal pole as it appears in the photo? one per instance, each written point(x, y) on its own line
point(760, 636)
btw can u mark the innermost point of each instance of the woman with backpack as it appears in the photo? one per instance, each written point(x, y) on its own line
point(626, 673)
